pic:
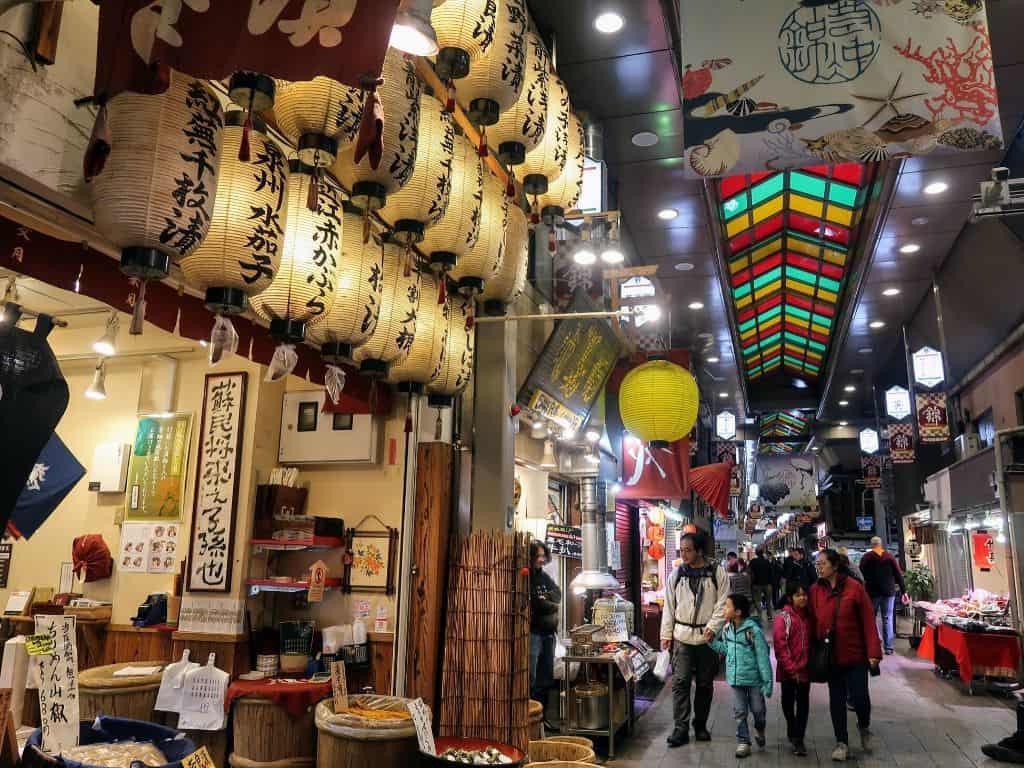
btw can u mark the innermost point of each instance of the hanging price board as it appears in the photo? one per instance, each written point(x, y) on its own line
point(421, 719)
point(340, 686)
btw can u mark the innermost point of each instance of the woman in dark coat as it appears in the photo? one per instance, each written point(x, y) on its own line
point(545, 597)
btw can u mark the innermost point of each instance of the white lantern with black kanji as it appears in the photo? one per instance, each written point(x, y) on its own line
point(303, 288)
point(371, 184)
point(483, 260)
point(413, 372)
point(456, 366)
point(465, 31)
point(254, 93)
point(319, 117)
point(510, 280)
point(155, 196)
point(396, 324)
point(521, 128)
point(242, 250)
point(456, 232)
point(357, 293)
point(564, 191)
point(545, 163)
point(422, 201)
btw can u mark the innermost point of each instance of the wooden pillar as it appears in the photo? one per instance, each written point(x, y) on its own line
point(430, 570)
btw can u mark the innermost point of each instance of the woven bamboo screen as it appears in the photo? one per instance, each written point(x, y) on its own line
point(318, 107)
point(525, 121)
point(455, 368)
point(304, 285)
point(396, 323)
point(242, 249)
point(483, 260)
point(357, 287)
point(158, 188)
point(511, 278)
point(545, 163)
point(485, 686)
point(564, 191)
point(498, 74)
point(456, 232)
point(425, 352)
point(467, 25)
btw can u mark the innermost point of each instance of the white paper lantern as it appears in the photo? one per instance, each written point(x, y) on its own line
point(510, 280)
point(465, 31)
point(545, 163)
point(319, 117)
point(564, 191)
point(456, 232)
point(483, 260)
point(456, 365)
point(417, 368)
point(396, 324)
point(496, 79)
point(520, 128)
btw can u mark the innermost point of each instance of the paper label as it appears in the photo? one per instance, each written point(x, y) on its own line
point(39, 645)
point(317, 580)
point(421, 719)
point(58, 684)
point(198, 759)
point(340, 686)
point(615, 628)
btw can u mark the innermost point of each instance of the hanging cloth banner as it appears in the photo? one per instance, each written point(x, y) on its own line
point(654, 473)
point(932, 417)
point(776, 84)
point(291, 39)
point(871, 467)
point(983, 549)
point(901, 443)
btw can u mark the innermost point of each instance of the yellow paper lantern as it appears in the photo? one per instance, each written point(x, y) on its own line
point(564, 191)
point(456, 232)
point(508, 283)
point(545, 163)
point(357, 293)
point(156, 195)
point(455, 367)
point(303, 288)
point(483, 260)
point(496, 79)
point(400, 97)
point(423, 200)
point(658, 402)
point(520, 128)
point(396, 323)
point(415, 371)
point(465, 31)
point(319, 117)
point(242, 250)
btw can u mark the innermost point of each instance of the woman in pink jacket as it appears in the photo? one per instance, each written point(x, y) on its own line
point(791, 640)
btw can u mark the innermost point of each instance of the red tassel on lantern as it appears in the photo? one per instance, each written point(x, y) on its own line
point(510, 186)
point(98, 150)
point(449, 104)
point(312, 194)
point(243, 146)
point(552, 241)
point(442, 291)
point(408, 261)
point(481, 149)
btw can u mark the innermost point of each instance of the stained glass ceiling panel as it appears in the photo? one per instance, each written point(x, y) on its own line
point(785, 425)
point(788, 235)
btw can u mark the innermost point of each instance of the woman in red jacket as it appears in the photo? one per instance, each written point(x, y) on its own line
point(839, 605)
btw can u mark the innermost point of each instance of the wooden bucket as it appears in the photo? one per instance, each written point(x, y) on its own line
point(100, 693)
point(559, 764)
point(214, 741)
point(386, 747)
point(547, 751)
point(265, 733)
point(536, 720)
point(583, 741)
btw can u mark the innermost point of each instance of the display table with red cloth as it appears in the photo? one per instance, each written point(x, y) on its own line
point(294, 696)
point(981, 654)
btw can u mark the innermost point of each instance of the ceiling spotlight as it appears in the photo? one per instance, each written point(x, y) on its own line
point(800, 384)
point(723, 394)
point(864, 350)
point(608, 23)
point(584, 257)
point(412, 31)
point(612, 255)
point(856, 371)
point(97, 390)
point(844, 423)
point(910, 248)
point(106, 345)
point(849, 388)
point(815, 448)
point(844, 403)
point(919, 221)
point(644, 139)
point(891, 292)
point(936, 188)
point(667, 214)
point(876, 324)
point(684, 266)
point(712, 360)
point(695, 305)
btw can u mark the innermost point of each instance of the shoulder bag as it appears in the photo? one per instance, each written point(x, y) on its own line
point(821, 661)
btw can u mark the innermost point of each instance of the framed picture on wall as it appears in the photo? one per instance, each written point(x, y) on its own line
point(370, 561)
point(211, 544)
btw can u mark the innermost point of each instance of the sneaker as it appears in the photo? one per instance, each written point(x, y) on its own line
point(799, 748)
point(840, 753)
point(867, 742)
point(889, 651)
point(759, 738)
point(679, 737)
point(742, 750)
point(702, 734)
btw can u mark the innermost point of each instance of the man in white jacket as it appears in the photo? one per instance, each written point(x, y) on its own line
point(694, 613)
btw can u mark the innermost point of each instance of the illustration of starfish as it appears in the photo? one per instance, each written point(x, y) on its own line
point(888, 102)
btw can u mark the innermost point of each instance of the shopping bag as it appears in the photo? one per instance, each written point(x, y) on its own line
point(662, 666)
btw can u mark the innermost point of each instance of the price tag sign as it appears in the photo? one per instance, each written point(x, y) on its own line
point(40, 645)
point(317, 581)
point(340, 686)
point(198, 759)
point(421, 719)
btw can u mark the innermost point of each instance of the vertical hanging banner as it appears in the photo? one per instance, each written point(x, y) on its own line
point(983, 548)
point(156, 468)
point(58, 684)
point(901, 443)
point(871, 467)
point(217, 473)
point(932, 417)
point(777, 84)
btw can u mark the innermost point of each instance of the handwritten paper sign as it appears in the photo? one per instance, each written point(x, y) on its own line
point(58, 684)
point(39, 645)
point(212, 616)
point(198, 759)
point(340, 686)
point(317, 580)
point(421, 719)
point(217, 473)
point(615, 629)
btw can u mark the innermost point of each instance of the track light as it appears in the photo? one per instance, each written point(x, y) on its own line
point(98, 390)
point(106, 345)
point(412, 31)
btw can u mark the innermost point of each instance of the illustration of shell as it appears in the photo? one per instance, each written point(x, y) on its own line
point(967, 139)
point(905, 127)
point(962, 11)
point(742, 107)
point(717, 155)
point(851, 145)
point(709, 109)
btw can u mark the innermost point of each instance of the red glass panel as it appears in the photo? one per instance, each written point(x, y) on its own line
point(730, 185)
point(769, 227)
point(740, 242)
point(767, 264)
point(851, 173)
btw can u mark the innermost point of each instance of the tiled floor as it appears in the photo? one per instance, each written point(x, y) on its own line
point(918, 720)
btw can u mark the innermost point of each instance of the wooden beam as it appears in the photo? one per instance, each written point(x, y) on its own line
point(47, 31)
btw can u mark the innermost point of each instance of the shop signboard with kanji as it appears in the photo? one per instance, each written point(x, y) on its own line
point(897, 403)
point(776, 84)
point(58, 683)
point(932, 417)
point(157, 466)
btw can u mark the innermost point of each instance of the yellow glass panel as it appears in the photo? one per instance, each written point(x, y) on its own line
point(839, 215)
point(828, 296)
point(834, 257)
point(771, 350)
point(820, 329)
point(767, 210)
point(736, 226)
point(805, 205)
point(743, 301)
point(802, 246)
point(737, 266)
point(775, 364)
point(768, 289)
point(796, 285)
point(771, 247)
point(747, 334)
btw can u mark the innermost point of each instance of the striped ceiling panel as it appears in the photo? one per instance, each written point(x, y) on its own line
point(788, 236)
point(785, 425)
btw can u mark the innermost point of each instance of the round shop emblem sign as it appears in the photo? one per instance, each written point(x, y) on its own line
point(828, 44)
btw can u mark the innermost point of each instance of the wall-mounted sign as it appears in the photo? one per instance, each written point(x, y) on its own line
point(865, 523)
point(871, 467)
point(869, 441)
point(932, 417)
point(897, 403)
point(156, 469)
point(564, 540)
point(725, 425)
point(901, 443)
point(928, 367)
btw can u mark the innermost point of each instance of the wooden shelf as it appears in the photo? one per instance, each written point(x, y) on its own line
point(269, 585)
point(318, 543)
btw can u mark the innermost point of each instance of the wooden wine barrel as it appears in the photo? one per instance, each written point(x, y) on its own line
point(266, 735)
point(100, 693)
point(389, 746)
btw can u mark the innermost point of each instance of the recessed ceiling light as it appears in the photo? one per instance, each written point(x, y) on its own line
point(864, 350)
point(910, 248)
point(844, 403)
point(876, 324)
point(891, 292)
point(608, 23)
point(684, 266)
point(936, 188)
point(919, 221)
point(712, 359)
point(843, 423)
point(705, 335)
point(667, 214)
point(723, 394)
point(695, 305)
point(644, 139)
point(800, 384)
point(856, 371)
point(815, 448)
point(849, 388)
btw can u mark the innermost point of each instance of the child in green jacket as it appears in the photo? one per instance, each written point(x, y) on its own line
point(747, 669)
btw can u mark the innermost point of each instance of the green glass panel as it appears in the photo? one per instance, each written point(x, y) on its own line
point(770, 276)
point(767, 189)
point(812, 367)
point(816, 346)
point(801, 274)
point(734, 205)
point(821, 320)
point(807, 185)
point(744, 327)
point(741, 291)
point(796, 339)
point(842, 194)
point(764, 317)
point(829, 284)
point(794, 361)
point(803, 314)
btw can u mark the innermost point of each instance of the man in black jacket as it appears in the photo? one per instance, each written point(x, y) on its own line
point(545, 597)
point(761, 577)
point(882, 577)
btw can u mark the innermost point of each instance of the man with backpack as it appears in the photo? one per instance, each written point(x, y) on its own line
point(694, 613)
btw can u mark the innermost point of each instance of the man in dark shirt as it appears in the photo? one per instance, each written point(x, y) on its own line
point(761, 579)
point(882, 576)
point(545, 597)
point(797, 569)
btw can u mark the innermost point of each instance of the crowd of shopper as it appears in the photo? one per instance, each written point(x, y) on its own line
point(820, 616)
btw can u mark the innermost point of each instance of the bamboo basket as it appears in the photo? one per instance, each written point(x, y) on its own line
point(561, 764)
point(536, 718)
point(352, 742)
point(547, 750)
point(583, 741)
point(100, 693)
point(265, 734)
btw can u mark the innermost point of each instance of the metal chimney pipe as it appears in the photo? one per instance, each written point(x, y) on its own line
point(595, 573)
